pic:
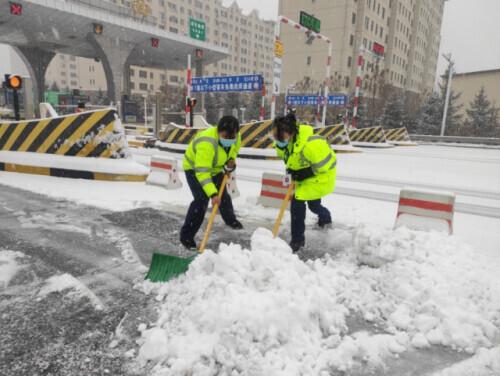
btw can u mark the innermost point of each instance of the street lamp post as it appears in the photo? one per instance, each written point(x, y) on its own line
point(451, 64)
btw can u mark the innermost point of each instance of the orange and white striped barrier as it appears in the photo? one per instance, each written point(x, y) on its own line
point(164, 173)
point(426, 210)
point(273, 192)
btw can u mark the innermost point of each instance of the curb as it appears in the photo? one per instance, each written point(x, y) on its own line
point(71, 174)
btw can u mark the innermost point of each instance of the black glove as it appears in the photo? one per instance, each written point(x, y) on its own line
point(302, 174)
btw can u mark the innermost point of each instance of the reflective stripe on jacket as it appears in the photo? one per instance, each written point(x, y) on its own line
point(309, 150)
point(207, 157)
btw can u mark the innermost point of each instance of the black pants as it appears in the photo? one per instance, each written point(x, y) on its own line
point(298, 212)
point(198, 208)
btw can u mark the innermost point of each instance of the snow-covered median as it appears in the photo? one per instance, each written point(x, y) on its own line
point(265, 312)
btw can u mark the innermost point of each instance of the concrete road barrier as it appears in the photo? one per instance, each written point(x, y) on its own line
point(426, 210)
point(88, 134)
point(273, 190)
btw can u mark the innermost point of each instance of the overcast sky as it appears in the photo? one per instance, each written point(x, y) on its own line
point(471, 31)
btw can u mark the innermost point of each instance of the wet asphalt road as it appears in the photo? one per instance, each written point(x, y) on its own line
point(64, 334)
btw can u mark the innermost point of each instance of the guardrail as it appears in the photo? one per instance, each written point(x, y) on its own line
point(457, 139)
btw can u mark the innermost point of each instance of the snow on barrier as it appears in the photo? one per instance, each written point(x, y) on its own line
point(369, 137)
point(88, 145)
point(273, 190)
point(398, 136)
point(426, 210)
point(338, 137)
point(164, 173)
point(87, 134)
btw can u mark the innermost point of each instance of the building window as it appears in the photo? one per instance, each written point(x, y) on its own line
point(151, 75)
point(354, 18)
point(132, 86)
point(132, 72)
point(349, 61)
point(309, 60)
point(351, 40)
point(143, 74)
point(174, 79)
point(143, 86)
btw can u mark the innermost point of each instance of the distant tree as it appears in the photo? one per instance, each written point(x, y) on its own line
point(482, 116)
point(393, 115)
point(429, 121)
point(454, 121)
point(253, 107)
point(54, 87)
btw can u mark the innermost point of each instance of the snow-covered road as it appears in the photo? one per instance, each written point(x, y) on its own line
point(372, 296)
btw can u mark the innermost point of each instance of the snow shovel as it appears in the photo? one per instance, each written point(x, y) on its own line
point(284, 204)
point(164, 267)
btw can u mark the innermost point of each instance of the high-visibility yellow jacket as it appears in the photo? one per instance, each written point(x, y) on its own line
point(207, 157)
point(309, 150)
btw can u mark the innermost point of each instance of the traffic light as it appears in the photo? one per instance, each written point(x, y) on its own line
point(13, 81)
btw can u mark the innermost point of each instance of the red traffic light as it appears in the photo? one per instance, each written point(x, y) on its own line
point(13, 81)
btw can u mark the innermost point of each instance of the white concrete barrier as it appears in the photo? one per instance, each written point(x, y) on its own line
point(273, 191)
point(232, 187)
point(164, 173)
point(426, 210)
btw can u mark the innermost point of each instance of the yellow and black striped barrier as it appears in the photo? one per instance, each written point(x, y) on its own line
point(398, 136)
point(69, 173)
point(174, 135)
point(257, 135)
point(334, 134)
point(374, 136)
point(87, 134)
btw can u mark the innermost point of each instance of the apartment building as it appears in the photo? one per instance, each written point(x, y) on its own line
point(68, 72)
point(248, 37)
point(409, 30)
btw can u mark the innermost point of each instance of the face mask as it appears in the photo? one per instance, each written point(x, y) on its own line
point(282, 144)
point(227, 142)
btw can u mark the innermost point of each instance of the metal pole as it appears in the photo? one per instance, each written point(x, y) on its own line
point(357, 90)
point(448, 93)
point(262, 112)
point(328, 73)
point(145, 111)
point(286, 103)
point(276, 63)
point(16, 104)
point(188, 93)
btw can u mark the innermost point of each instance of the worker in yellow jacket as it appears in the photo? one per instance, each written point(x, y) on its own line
point(312, 165)
point(210, 154)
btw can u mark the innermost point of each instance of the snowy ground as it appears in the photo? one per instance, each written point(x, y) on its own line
point(412, 302)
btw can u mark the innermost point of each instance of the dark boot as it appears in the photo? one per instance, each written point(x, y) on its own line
point(324, 224)
point(189, 243)
point(236, 225)
point(296, 246)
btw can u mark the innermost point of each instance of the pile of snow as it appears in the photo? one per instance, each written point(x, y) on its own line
point(427, 285)
point(73, 287)
point(8, 266)
point(484, 363)
point(264, 311)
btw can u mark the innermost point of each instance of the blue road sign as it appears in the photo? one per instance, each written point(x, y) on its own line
point(252, 82)
point(338, 100)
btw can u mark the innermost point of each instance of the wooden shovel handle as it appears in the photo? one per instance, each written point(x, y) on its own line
point(212, 215)
point(284, 204)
